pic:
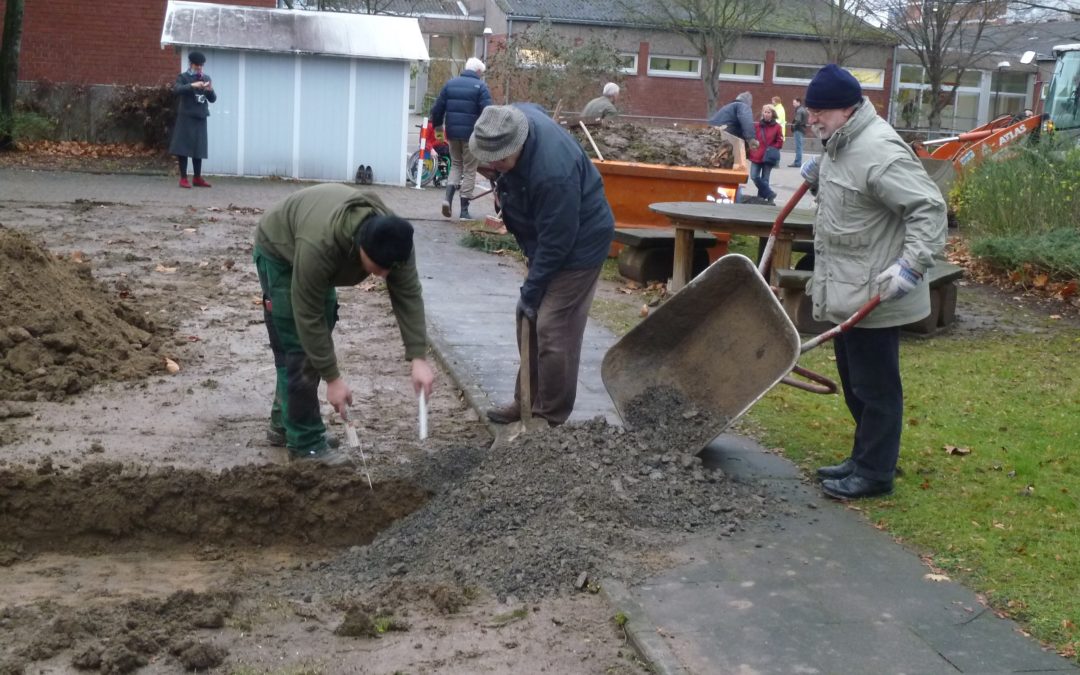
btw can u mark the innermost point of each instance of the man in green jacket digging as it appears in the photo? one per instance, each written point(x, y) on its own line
point(306, 246)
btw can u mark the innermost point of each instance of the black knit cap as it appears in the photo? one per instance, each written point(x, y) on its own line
point(387, 240)
point(197, 58)
point(833, 88)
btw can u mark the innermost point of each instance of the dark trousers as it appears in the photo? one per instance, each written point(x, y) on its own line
point(868, 360)
point(296, 393)
point(196, 164)
point(555, 344)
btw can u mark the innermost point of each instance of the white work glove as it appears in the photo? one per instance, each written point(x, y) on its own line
point(897, 280)
point(809, 171)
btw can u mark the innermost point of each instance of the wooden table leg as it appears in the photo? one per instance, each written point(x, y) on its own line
point(683, 267)
point(781, 259)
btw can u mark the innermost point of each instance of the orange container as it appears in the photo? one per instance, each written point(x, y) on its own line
point(631, 186)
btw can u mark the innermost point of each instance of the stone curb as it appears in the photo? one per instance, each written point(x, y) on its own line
point(643, 637)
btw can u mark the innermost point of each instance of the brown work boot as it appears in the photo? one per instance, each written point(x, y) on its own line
point(511, 412)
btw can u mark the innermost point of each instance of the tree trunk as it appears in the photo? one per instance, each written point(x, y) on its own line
point(9, 70)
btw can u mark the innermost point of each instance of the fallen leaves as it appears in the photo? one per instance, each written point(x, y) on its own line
point(955, 450)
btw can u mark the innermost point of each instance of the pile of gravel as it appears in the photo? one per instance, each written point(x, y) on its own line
point(527, 519)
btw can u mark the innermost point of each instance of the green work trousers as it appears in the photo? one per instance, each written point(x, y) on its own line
point(296, 394)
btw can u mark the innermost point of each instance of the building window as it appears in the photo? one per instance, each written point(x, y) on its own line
point(628, 64)
point(741, 70)
point(787, 73)
point(869, 78)
point(674, 66)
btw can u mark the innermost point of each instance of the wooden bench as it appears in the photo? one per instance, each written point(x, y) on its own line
point(942, 278)
point(648, 253)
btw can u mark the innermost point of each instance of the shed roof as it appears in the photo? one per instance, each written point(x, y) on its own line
point(198, 24)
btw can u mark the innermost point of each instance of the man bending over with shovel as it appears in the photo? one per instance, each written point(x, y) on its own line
point(553, 203)
point(315, 240)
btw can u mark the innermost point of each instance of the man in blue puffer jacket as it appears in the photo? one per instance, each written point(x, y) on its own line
point(553, 203)
point(460, 103)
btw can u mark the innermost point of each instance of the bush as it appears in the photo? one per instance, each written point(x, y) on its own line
point(150, 110)
point(1025, 208)
point(32, 126)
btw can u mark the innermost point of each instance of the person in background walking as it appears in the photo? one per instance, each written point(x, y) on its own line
point(798, 129)
point(780, 114)
point(194, 92)
point(307, 245)
point(880, 221)
point(737, 118)
point(460, 103)
point(604, 105)
point(762, 161)
point(553, 203)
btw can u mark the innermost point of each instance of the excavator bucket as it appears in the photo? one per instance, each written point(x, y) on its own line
point(942, 172)
point(721, 342)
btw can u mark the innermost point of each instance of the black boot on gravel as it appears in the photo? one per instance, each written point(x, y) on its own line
point(465, 209)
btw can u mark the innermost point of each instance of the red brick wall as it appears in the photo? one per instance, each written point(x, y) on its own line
point(684, 97)
point(109, 42)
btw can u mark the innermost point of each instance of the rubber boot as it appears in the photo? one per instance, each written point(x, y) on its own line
point(448, 200)
point(465, 209)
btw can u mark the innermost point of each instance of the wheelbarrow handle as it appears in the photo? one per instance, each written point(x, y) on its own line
point(766, 255)
point(825, 385)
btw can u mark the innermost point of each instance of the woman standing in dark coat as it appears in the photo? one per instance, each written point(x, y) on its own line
point(194, 94)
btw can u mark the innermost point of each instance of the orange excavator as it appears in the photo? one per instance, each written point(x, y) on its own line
point(945, 158)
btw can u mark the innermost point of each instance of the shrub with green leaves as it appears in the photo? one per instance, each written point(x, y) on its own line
point(1025, 208)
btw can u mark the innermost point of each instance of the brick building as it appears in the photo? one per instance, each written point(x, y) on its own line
point(112, 42)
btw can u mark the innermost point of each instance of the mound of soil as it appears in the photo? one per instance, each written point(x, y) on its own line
point(629, 142)
point(530, 518)
point(61, 331)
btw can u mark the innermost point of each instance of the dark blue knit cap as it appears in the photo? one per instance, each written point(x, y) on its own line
point(832, 88)
point(387, 240)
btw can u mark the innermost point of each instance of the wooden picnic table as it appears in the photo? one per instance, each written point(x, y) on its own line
point(752, 219)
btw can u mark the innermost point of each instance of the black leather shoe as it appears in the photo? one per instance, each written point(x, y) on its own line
point(837, 471)
point(856, 487)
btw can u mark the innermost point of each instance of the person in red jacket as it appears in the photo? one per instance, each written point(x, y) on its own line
point(767, 154)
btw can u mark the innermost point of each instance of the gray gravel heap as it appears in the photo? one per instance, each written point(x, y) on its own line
point(529, 518)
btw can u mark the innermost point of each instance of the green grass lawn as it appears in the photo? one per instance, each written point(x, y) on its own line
point(999, 513)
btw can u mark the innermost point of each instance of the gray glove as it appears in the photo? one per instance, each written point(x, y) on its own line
point(809, 171)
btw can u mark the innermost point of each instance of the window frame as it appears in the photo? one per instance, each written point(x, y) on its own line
point(794, 80)
point(630, 70)
point(743, 78)
point(674, 73)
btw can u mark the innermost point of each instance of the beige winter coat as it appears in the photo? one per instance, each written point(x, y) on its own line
point(876, 204)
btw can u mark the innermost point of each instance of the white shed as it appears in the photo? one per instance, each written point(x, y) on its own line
point(301, 94)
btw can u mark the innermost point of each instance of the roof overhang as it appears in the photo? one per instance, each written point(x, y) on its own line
point(197, 24)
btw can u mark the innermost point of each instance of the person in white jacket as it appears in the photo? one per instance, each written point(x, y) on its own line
point(879, 224)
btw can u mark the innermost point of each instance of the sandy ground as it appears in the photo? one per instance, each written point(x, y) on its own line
point(148, 524)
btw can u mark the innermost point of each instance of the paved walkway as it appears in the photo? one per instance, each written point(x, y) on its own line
point(814, 590)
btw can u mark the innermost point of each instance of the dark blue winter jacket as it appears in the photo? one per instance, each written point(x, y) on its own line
point(553, 203)
point(738, 116)
point(460, 102)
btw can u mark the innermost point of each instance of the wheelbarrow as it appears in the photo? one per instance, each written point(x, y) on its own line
point(722, 342)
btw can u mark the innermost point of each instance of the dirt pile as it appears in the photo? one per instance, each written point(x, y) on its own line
point(527, 520)
point(629, 142)
point(61, 331)
point(114, 507)
point(120, 638)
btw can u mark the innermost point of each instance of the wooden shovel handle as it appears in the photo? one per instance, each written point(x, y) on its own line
point(526, 371)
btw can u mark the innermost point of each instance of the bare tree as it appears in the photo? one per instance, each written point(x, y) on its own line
point(1044, 10)
point(947, 37)
point(543, 66)
point(9, 70)
point(842, 28)
point(712, 27)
